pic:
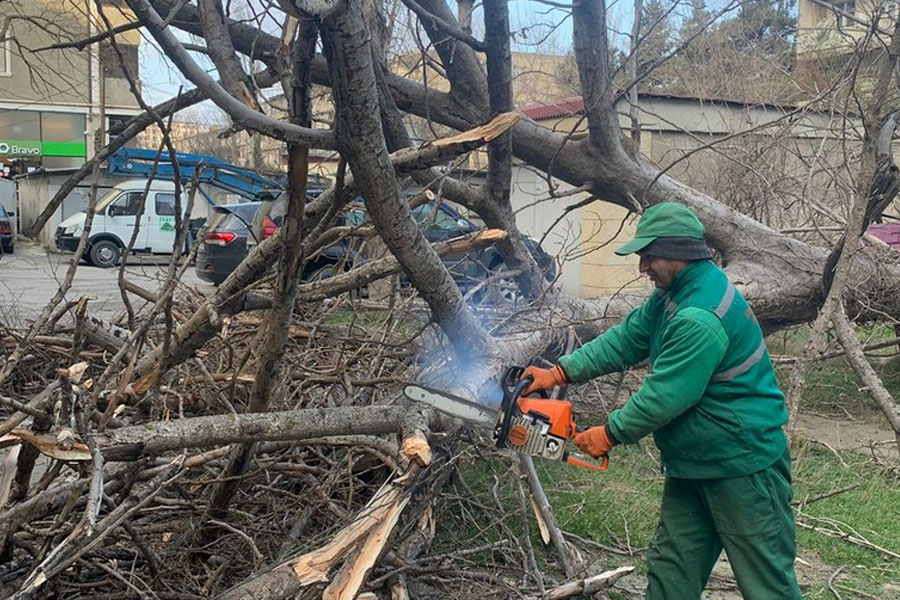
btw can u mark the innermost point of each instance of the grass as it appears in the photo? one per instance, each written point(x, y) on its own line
point(831, 388)
point(620, 508)
point(870, 511)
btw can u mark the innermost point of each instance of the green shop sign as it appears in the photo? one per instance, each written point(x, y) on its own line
point(32, 148)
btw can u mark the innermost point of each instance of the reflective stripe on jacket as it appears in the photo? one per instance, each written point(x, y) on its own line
point(710, 396)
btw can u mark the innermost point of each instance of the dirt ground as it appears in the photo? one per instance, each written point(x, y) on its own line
point(841, 434)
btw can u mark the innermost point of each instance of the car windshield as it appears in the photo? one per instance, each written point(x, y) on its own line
point(443, 220)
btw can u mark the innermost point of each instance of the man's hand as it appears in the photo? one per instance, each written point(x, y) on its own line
point(596, 441)
point(543, 379)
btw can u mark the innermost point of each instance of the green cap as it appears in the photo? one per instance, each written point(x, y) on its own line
point(664, 220)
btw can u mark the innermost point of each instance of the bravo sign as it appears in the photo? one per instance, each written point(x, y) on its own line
point(20, 148)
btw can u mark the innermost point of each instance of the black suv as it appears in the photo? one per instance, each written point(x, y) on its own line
point(225, 244)
point(438, 221)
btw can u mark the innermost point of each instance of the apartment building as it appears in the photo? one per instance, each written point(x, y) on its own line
point(831, 28)
point(51, 93)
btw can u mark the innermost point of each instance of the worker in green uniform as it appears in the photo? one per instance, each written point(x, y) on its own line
point(715, 411)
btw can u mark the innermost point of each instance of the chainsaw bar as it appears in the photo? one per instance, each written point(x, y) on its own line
point(453, 406)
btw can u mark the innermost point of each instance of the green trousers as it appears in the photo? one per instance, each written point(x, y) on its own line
point(749, 516)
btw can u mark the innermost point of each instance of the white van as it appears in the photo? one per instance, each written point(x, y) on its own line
point(114, 222)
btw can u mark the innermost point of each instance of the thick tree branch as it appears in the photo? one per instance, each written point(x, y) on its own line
point(130, 443)
point(361, 141)
point(221, 51)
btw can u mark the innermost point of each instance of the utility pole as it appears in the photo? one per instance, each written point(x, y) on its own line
point(96, 84)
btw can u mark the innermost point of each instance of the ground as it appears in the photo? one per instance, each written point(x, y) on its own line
point(30, 277)
point(843, 441)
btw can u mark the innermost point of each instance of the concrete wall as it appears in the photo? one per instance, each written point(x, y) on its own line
point(538, 216)
point(36, 190)
point(794, 161)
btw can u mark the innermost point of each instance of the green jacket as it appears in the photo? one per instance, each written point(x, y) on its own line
point(710, 397)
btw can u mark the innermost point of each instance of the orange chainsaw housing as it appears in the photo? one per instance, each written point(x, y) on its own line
point(558, 414)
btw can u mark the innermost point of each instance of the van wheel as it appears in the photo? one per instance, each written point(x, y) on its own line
point(105, 253)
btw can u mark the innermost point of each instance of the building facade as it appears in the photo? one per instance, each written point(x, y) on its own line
point(51, 93)
point(769, 175)
point(834, 27)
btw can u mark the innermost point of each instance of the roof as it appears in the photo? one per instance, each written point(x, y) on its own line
point(575, 105)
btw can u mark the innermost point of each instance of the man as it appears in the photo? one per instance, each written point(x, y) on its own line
point(715, 411)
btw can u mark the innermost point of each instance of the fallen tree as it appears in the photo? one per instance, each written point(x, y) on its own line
point(305, 427)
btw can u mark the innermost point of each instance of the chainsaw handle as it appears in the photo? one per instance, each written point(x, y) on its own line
point(512, 378)
point(512, 390)
point(604, 463)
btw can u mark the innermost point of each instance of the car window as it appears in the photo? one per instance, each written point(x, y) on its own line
point(355, 217)
point(2, 212)
point(443, 220)
point(246, 210)
point(165, 205)
point(232, 223)
point(126, 205)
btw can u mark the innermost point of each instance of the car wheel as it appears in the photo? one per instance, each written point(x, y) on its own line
point(104, 253)
point(321, 273)
point(500, 290)
point(8, 248)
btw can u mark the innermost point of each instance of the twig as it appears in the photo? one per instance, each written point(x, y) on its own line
point(807, 501)
point(247, 538)
point(831, 583)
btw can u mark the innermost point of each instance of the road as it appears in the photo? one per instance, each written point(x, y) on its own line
point(31, 276)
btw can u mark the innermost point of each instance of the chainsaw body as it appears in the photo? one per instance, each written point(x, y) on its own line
point(536, 426)
point(532, 426)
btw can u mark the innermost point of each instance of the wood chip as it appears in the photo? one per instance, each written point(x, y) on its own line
point(487, 132)
point(542, 525)
point(46, 444)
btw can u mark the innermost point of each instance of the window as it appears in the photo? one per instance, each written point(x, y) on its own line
point(126, 205)
point(62, 135)
point(5, 55)
point(844, 11)
point(165, 205)
point(443, 221)
point(20, 125)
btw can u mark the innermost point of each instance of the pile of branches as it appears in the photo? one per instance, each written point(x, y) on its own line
point(102, 497)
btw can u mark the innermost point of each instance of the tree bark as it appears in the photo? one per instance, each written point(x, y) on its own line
point(362, 143)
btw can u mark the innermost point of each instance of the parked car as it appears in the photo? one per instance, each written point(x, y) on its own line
point(6, 232)
point(224, 245)
point(439, 222)
point(114, 222)
point(889, 233)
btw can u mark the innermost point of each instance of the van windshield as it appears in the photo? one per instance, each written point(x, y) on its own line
point(105, 200)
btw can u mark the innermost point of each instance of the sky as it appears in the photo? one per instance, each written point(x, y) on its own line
point(536, 27)
point(539, 27)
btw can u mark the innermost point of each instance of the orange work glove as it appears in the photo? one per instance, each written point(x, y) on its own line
point(544, 379)
point(596, 441)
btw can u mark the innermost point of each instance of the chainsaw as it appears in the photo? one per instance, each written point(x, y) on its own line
point(527, 425)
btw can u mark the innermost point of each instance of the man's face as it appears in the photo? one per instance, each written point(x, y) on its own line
point(661, 271)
